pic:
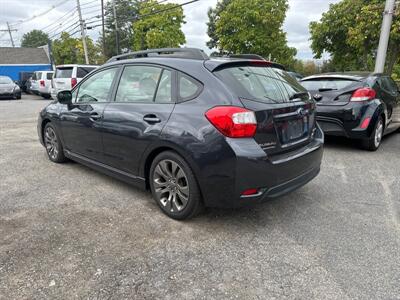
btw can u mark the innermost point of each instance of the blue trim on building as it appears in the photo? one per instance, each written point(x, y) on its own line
point(12, 71)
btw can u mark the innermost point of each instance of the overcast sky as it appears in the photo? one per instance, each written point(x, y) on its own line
point(300, 13)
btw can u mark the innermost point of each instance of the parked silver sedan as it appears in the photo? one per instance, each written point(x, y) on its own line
point(9, 89)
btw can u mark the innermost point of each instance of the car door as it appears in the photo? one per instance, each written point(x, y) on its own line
point(143, 103)
point(81, 122)
point(394, 90)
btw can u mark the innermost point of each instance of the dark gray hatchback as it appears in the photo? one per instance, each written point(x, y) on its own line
point(195, 131)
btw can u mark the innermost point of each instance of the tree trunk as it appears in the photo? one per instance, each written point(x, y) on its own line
point(393, 56)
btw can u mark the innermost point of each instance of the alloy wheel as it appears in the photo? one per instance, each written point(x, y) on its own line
point(378, 133)
point(171, 185)
point(51, 143)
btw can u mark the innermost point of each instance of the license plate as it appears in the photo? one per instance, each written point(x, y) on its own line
point(292, 130)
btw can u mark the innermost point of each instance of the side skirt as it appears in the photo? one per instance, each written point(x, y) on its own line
point(105, 169)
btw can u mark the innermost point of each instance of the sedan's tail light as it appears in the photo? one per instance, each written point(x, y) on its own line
point(74, 81)
point(232, 121)
point(363, 94)
point(42, 83)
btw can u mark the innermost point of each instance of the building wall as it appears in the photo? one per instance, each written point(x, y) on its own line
point(12, 71)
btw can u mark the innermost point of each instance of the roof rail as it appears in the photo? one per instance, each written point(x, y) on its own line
point(247, 56)
point(191, 53)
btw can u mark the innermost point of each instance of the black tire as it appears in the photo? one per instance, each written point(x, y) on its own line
point(373, 142)
point(46, 96)
point(19, 96)
point(52, 142)
point(175, 189)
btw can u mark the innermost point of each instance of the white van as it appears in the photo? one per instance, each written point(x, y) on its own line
point(41, 83)
point(67, 76)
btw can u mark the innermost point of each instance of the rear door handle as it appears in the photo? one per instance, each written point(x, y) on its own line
point(151, 119)
point(94, 116)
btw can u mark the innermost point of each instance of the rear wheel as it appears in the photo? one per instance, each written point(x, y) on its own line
point(174, 186)
point(373, 143)
point(53, 144)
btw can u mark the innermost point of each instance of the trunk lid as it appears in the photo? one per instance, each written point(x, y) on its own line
point(284, 111)
point(332, 91)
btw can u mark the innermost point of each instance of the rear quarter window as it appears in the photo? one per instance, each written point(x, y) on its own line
point(265, 84)
point(83, 71)
point(188, 87)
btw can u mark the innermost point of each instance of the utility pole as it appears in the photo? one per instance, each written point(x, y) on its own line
point(83, 34)
point(116, 26)
point(384, 38)
point(9, 30)
point(102, 25)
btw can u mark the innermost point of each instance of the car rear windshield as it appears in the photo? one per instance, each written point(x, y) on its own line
point(83, 71)
point(5, 80)
point(262, 83)
point(64, 72)
point(327, 84)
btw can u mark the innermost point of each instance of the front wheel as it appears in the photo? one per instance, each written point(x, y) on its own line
point(53, 144)
point(174, 186)
point(373, 143)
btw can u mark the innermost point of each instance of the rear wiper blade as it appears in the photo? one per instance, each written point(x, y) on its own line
point(326, 89)
point(298, 95)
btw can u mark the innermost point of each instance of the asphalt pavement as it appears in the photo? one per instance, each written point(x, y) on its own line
point(67, 232)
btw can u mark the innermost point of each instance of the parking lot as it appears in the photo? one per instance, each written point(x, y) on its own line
point(67, 230)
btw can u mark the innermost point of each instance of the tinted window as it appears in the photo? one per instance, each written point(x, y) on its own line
point(83, 71)
point(49, 76)
point(38, 76)
point(265, 84)
point(164, 91)
point(324, 83)
point(388, 84)
point(97, 88)
point(63, 72)
point(138, 84)
point(188, 87)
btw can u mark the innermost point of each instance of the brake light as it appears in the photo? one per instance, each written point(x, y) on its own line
point(232, 121)
point(74, 81)
point(42, 83)
point(363, 94)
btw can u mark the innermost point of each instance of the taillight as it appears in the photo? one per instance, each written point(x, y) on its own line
point(250, 192)
point(74, 81)
point(232, 121)
point(363, 94)
point(42, 83)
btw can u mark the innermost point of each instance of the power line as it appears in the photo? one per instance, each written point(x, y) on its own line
point(70, 12)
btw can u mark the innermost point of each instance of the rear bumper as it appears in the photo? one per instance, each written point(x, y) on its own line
point(346, 120)
point(272, 176)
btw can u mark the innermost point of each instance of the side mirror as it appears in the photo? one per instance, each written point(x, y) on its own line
point(64, 97)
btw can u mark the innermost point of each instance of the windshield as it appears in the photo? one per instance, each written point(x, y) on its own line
point(326, 84)
point(5, 80)
point(266, 84)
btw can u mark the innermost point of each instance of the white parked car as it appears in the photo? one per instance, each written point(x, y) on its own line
point(67, 76)
point(41, 83)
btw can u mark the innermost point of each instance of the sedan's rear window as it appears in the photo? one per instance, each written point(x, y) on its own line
point(326, 84)
point(264, 84)
point(64, 72)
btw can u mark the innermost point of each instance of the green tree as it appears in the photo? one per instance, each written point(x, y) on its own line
point(158, 26)
point(213, 16)
point(34, 39)
point(252, 26)
point(69, 50)
point(349, 31)
point(127, 11)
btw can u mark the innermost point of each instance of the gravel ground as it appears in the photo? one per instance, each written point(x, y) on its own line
point(69, 232)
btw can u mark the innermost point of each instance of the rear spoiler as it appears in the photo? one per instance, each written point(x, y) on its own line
point(215, 65)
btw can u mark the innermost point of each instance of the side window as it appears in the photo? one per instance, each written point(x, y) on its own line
point(39, 76)
point(138, 84)
point(49, 76)
point(188, 87)
point(393, 86)
point(83, 71)
point(97, 88)
point(164, 91)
